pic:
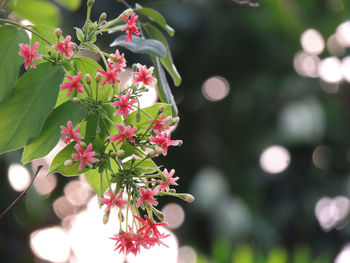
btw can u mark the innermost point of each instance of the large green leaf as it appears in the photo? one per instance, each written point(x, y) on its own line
point(156, 17)
point(163, 89)
point(46, 31)
point(10, 61)
point(72, 5)
point(51, 132)
point(31, 100)
point(143, 46)
point(168, 60)
point(150, 111)
point(94, 179)
point(36, 11)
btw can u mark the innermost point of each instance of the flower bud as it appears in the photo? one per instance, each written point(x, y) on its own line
point(90, 2)
point(83, 144)
point(158, 150)
point(158, 213)
point(179, 142)
point(151, 154)
point(138, 116)
point(88, 78)
point(161, 109)
point(175, 121)
point(76, 100)
point(186, 197)
point(121, 216)
point(120, 153)
point(68, 163)
point(106, 217)
point(128, 12)
point(103, 16)
point(58, 32)
point(98, 77)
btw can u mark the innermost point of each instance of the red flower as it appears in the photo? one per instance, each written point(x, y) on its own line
point(111, 75)
point(160, 125)
point(113, 200)
point(131, 27)
point(70, 134)
point(65, 47)
point(85, 158)
point(163, 141)
point(124, 105)
point(118, 60)
point(144, 76)
point(147, 195)
point(125, 242)
point(149, 226)
point(73, 84)
point(169, 180)
point(125, 133)
point(28, 54)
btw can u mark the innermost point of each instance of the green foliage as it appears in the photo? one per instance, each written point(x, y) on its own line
point(163, 89)
point(10, 38)
point(243, 254)
point(156, 17)
point(143, 46)
point(30, 102)
point(221, 251)
point(277, 255)
point(95, 179)
point(51, 132)
point(167, 62)
point(72, 5)
point(47, 32)
point(28, 9)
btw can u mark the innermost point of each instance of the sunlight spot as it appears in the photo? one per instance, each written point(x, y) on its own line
point(345, 68)
point(333, 46)
point(18, 176)
point(187, 255)
point(306, 65)
point(330, 88)
point(174, 215)
point(321, 157)
point(62, 207)
point(76, 193)
point(344, 255)
point(329, 70)
point(215, 88)
point(343, 34)
point(274, 159)
point(312, 42)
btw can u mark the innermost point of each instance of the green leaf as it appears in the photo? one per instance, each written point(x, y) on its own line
point(277, 255)
point(36, 11)
point(243, 254)
point(30, 102)
point(72, 5)
point(51, 132)
point(156, 17)
point(163, 89)
point(94, 179)
point(10, 61)
point(46, 31)
point(143, 46)
point(147, 166)
point(168, 60)
point(150, 111)
point(58, 166)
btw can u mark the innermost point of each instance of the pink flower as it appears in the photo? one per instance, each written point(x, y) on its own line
point(85, 158)
point(131, 27)
point(73, 84)
point(147, 195)
point(125, 133)
point(65, 47)
point(28, 54)
point(149, 226)
point(160, 125)
point(152, 240)
point(163, 141)
point(118, 60)
point(125, 242)
point(111, 75)
point(113, 200)
point(70, 134)
point(169, 180)
point(144, 76)
point(124, 105)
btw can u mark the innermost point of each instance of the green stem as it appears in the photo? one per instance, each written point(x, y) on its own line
point(25, 28)
point(87, 17)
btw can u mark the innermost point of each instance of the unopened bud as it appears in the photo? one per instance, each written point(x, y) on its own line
point(172, 190)
point(161, 109)
point(90, 2)
point(88, 78)
point(175, 121)
point(158, 214)
point(158, 150)
point(68, 163)
point(103, 16)
point(113, 155)
point(186, 197)
point(121, 216)
point(151, 154)
point(98, 77)
point(150, 71)
point(58, 32)
point(106, 217)
point(83, 144)
point(120, 153)
point(179, 142)
point(138, 116)
point(76, 100)
point(128, 12)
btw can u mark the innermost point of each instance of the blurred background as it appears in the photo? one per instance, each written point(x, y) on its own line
point(264, 108)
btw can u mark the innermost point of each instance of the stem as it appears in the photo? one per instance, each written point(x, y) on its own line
point(25, 28)
point(125, 3)
point(87, 17)
point(23, 194)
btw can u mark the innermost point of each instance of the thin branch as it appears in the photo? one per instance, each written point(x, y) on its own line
point(23, 194)
point(246, 2)
point(125, 3)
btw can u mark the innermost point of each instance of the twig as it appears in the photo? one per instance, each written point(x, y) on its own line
point(245, 2)
point(125, 3)
point(23, 194)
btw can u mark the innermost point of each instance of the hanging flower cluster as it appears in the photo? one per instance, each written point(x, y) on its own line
point(108, 136)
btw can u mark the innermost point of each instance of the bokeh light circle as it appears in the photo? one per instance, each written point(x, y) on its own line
point(275, 159)
point(18, 176)
point(312, 42)
point(215, 88)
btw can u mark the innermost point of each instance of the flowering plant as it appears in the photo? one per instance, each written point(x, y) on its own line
point(108, 136)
